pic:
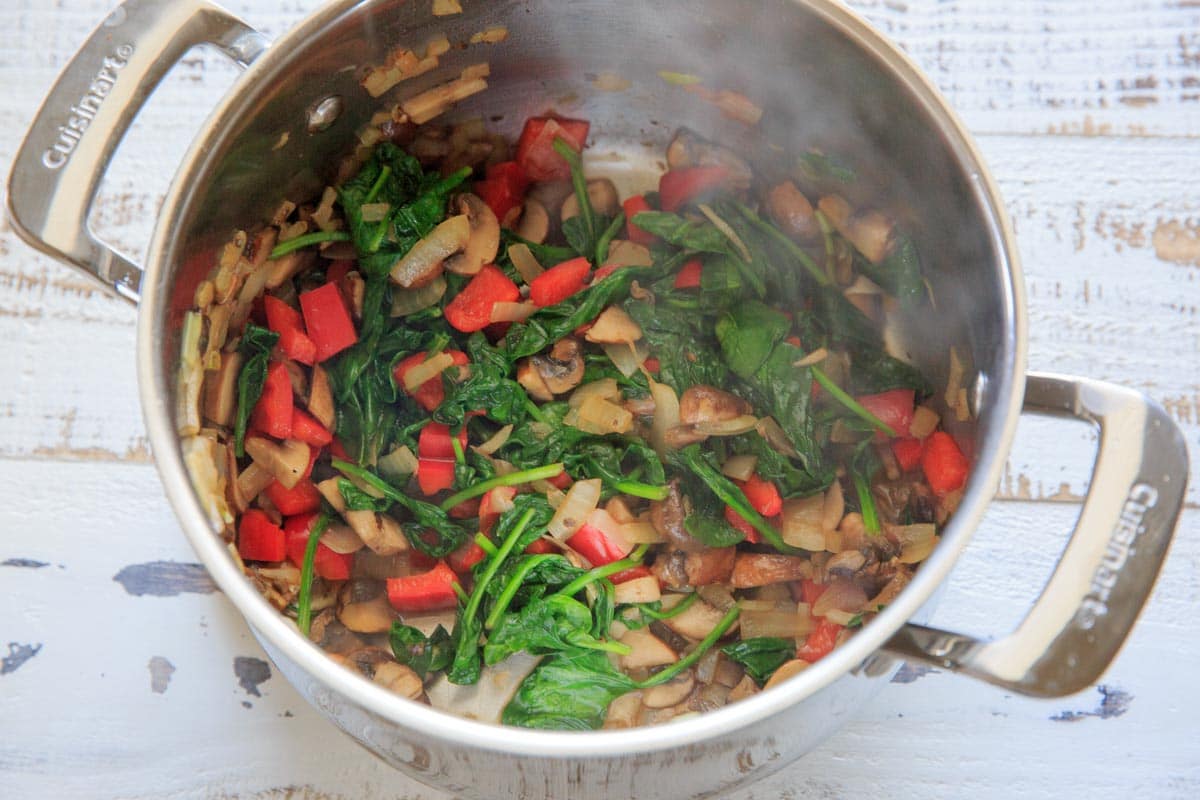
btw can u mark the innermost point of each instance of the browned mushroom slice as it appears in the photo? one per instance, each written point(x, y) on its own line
point(647, 650)
point(363, 607)
point(333, 637)
point(220, 390)
point(689, 149)
point(696, 621)
point(602, 194)
point(671, 693)
point(379, 532)
point(484, 240)
point(400, 679)
point(712, 565)
point(562, 368)
point(320, 397)
point(706, 404)
point(792, 211)
point(535, 222)
point(669, 569)
point(667, 517)
point(763, 569)
point(529, 377)
point(286, 461)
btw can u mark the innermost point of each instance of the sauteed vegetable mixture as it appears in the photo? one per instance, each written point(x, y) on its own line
point(473, 416)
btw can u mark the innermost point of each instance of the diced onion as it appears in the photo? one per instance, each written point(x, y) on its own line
point(918, 533)
point(400, 461)
point(728, 427)
point(341, 539)
point(580, 501)
point(834, 507)
point(599, 416)
point(426, 370)
point(770, 430)
point(917, 552)
point(605, 389)
point(525, 261)
point(802, 523)
point(740, 468)
point(666, 413)
point(775, 623)
point(954, 378)
point(496, 442)
point(410, 301)
point(924, 422)
point(640, 532)
point(554, 495)
point(375, 212)
point(841, 595)
point(505, 311)
point(627, 358)
point(840, 617)
point(815, 357)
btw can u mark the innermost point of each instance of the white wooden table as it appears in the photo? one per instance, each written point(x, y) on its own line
point(124, 674)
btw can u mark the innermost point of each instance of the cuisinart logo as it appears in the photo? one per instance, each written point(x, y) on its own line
point(1141, 499)
point(83, 112)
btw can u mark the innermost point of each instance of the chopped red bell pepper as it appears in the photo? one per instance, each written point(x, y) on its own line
point(539, 547)
point(434, 441)
point(260, 539)
point(907, 452)
point(944, 464)
point(466, 556)
point(504, 188)
point(428, 591)
point(820, 641)
point(763, 495)
point(630, 574)
point(338, 450)
point(286, 321)
point(811, 591)
point(689, 274)
point(680, 186)
point(306, 429)
point(329, 565)
point(430, 394)
point(300, 499)
point(471, 309)
point(337, 271)
point(894, 409)
point(561, 481)
point(742, 524)
point(652, 365)
point(634, 206)
point(559, 282)
point(535, 148)
point(510, 173)
point(273, 412)
point(328, 320)
point(604, 272)
point(596, 546)
point(467, 509)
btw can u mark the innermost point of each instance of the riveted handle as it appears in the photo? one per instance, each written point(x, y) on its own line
point(69, 145)
point(1106, 572)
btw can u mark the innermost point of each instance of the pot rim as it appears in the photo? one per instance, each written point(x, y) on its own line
point(1006, 390)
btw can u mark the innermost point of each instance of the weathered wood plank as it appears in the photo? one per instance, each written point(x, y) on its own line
point(197, 737)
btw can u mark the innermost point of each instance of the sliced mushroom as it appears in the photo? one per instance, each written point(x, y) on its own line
point(562, 369)
point(602, 194)
point(786, 670)
point(368, 659)
point(696, 621)
point(792, 211)
point(638, 590)
point(869, 231)
point(762, 569)
point(400, 679)
point(320, 397)
point(379, 532)
point(484, 241)
point(424, 261)
point(220, 390)
point(689, 149)
point(363, 607)
point(250, 482)
point(529, 378)
point(671, 693)
point(333, 637)
point(846, 563)
point(745, 688)
point(668, 568)
point(284, 268)
point(552, 195)
point(623, 712)
point(535, 222)
point(286, 461)
point(647, 651)
point(706, 404)
point(667, 517)
point(613, 326)
point(709, 566)
point(624, 253)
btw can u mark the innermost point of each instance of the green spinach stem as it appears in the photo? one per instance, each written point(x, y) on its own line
point(304, 599)
point(848, 401)
point(646, 491)
point(634, 559)
point(511, 479)
point(316, 237)
point(691, 658)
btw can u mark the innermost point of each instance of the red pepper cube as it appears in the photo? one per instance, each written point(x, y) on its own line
point(286, 321)
point(466, 556)
point(471, 308)
point(811, 591)
point(908, 452)
point(428, 591)
point(326, 563)
point(686, 184)
point(430, 394)
point(634, 206)
point(434, 475)
point(434, 441)
point(763, 496)
point(598, 540)
point(273, 411)
point(894, 409)
point(689, 275)
point(306, 429)
point(300, 499)
point(535, 148)
point(540, 547)
point(743, 525)
point(559, 282)
point(944, 464)
point(328, 320)
point(820, 641)
point(260, 539)
point(630, 574)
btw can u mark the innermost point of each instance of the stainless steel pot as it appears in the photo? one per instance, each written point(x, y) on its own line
point(825, 78)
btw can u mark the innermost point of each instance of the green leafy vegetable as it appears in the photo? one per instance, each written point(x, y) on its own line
point(304, 597)
point(761, 656)
point(728, 492)
point(568, 691)
point(255, 347)
point(748, 333)
point(424, 654)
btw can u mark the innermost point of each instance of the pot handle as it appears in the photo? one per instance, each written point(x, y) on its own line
point(1107, 570)
point(71, 141)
